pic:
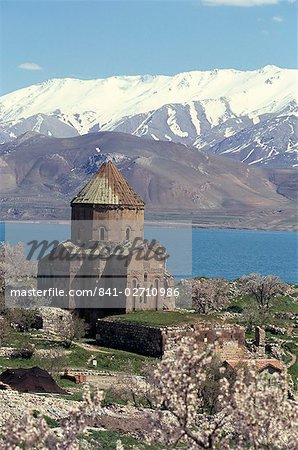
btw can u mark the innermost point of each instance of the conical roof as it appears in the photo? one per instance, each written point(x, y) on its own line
point(108, 187)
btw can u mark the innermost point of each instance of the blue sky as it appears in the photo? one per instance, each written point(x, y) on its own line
point(95, 39)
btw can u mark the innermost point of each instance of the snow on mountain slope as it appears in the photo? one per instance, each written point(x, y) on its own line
point(250, 145)
point(40, 123)
point(195, 108)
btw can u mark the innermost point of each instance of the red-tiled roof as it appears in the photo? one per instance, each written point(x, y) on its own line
point(108, 187)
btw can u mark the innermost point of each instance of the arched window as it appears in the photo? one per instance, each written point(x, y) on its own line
point(145, 277)
point(102, 234)
point(127, 233)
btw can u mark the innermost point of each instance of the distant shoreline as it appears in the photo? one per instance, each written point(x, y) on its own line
point(216, 227)
point(165, 224)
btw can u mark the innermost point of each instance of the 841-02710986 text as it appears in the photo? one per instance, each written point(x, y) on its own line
point(137, 292)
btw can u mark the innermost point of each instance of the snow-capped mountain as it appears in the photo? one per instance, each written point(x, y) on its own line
point(274, 140)
point(247, 115)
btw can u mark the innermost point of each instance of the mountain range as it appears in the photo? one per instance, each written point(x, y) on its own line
point(249, 116)
point(40, 174)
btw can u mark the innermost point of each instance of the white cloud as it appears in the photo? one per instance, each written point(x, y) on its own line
point(243, 3)
point(29, 66)
point(277, 19)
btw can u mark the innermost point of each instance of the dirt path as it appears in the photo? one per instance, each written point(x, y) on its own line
point(91, 348)
point(106, 381)
point(293, 360)
point(117, 381)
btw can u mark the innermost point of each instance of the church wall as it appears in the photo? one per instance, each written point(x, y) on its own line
point(87, 221)
point(117, 220)
point(81, 222)
point(148, 274)
point(141, 269)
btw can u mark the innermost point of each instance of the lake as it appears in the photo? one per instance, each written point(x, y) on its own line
point(198, 252)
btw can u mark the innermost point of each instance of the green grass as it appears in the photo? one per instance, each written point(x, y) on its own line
point(159, 318)
point(109, 360)
point(39, 340)
point(14, 363)
point(112, 397)
point(107, 440)
point(74, 396)
point(75, 390)
point(64, 383)
point(293, 370)
point(285, 304)
point(283, 337)
point(17, 339)
point(281, 304)
point(52, 423)
point(76, 393)
point(249, 335)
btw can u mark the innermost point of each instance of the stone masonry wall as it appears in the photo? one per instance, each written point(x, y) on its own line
point(228, 340)
point(140, 339)
point(55, 320)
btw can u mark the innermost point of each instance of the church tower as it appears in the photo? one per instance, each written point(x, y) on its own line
point(107, 209)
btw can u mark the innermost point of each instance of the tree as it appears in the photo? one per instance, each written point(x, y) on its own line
point(252, 411)
point(184, 299)
point(16, 271)
point(14, 266)
point(177, 391)
point(75, 328)
point(263, 288)
point(34, 433)
point(5, 329)
point(252, 317)
point(2, 302)
point(262, 414)
point(23, 319)
point(210, 295)
point(54, 360)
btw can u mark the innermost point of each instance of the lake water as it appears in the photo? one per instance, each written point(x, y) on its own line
point(198, 252)
point(232, 253)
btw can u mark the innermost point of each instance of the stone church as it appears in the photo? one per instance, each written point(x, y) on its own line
point(107, 267)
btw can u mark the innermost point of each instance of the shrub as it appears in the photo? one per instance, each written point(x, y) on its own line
point(235, 309)
point(25, 352)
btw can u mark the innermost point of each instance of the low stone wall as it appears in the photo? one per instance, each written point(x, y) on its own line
point(141, 339)
point(228, 340)
point(8, 352)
